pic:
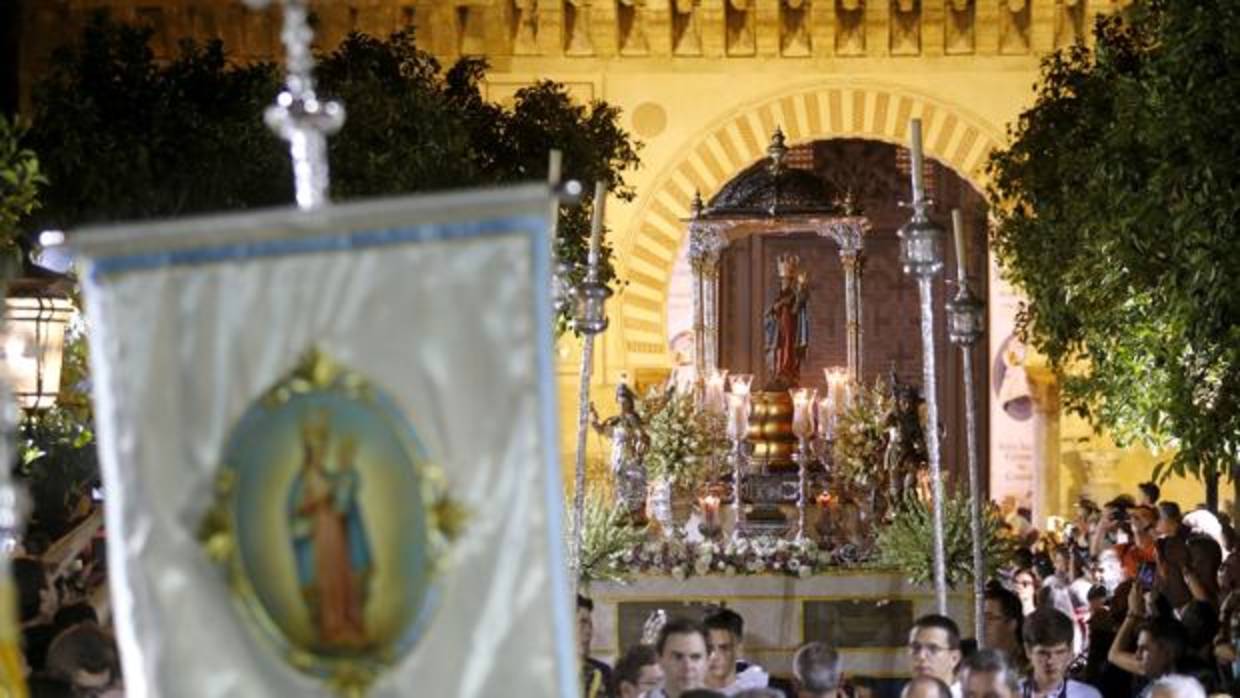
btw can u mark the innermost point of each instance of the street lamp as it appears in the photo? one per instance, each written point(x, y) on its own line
point(37, 314)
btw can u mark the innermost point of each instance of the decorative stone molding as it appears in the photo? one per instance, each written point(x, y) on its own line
point(850, 27)
point(795, 38)
point(959, 30)
point(904, 28)
point(954, 137)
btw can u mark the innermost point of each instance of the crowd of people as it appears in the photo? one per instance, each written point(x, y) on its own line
point(1131, 599)
point(68, 649)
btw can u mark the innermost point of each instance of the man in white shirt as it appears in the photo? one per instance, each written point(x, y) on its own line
point(1048, 643)
point(934, 649)
point(725, 633)
point(682, 657)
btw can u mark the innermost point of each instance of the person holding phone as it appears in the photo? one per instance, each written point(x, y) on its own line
point(1160, 642)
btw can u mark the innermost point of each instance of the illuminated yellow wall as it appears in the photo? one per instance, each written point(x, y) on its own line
point(702, 85)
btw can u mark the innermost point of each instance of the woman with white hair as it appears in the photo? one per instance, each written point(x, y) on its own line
point(1177, 686)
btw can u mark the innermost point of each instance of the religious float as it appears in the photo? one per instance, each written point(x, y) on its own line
point(809, 511)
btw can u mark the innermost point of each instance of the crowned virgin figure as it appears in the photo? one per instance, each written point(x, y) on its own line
point(330, 544)
point(786, 325)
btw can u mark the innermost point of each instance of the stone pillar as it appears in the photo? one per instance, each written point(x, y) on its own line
point(710, 310)
point(849, 234)
point(1046, 456)
point(706, 243)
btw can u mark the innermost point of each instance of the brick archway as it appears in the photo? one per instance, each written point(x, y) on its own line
point(953, 135)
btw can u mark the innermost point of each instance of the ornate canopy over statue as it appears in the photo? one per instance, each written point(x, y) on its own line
point(772, 198)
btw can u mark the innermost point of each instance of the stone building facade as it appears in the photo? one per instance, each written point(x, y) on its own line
point(703, 84)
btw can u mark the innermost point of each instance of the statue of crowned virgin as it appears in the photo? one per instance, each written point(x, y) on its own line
point(786, 325)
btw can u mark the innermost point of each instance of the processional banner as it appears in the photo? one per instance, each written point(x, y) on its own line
point(329, 451)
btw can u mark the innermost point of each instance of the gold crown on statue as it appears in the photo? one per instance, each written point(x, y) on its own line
point(787, 264)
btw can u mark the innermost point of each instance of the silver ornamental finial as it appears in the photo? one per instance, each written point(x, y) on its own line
point(298, 116)
point(777, 151)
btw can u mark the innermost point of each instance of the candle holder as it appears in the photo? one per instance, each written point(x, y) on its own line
point(738, 433)
point(711, 528)
point(825, 527)
point(803, 429)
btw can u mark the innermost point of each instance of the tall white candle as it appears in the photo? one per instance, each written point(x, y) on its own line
point(919, 190)
point(826, 416)
point(738, 416)
point(803, 412)
point(714, 391)
point(958, 230)
point(596, 223)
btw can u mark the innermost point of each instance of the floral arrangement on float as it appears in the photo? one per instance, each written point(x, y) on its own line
point(687, 443)
point(681, 558)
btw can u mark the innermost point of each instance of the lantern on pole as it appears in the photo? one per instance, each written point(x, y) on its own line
point(37, 312)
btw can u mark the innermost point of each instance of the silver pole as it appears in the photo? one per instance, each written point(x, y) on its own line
point(925, 294)
point(965, 322)
point(583, 395)
point(921, 257)
point(298, 116)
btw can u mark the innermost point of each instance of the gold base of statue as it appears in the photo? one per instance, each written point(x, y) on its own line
point(770, 431)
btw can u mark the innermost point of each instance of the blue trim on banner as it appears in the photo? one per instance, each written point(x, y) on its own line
point(563, 607)
point(332, 242)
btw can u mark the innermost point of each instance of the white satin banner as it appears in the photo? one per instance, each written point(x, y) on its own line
point(435, 312)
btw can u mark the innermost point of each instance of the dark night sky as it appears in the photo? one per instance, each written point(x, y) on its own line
point(8, 55)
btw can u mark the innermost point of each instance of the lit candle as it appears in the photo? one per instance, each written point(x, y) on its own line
point(916, 157)
point(838, 387)
point(714, 391)
point(826, 416)
point(824, 500)
point(740, 383)
point(710, 509)
point(738, 416)
point(803, 412)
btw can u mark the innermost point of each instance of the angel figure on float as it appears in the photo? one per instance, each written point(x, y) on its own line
point(629, 444)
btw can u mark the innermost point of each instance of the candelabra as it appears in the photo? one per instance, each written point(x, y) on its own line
point(965, 326)
point(921, 257)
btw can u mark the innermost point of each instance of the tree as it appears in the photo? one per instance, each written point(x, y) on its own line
point(1118, 204)
point(20, 180)
point(124, 137)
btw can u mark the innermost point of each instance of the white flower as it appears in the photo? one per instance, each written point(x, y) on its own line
point(701, 567)
point(804, 572)
point(678, 573)
point(755, 565)
point(777, 565)
point(794, 565)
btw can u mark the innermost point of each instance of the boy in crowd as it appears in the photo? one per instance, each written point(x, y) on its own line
point(725, 672)
point(1048, 637)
